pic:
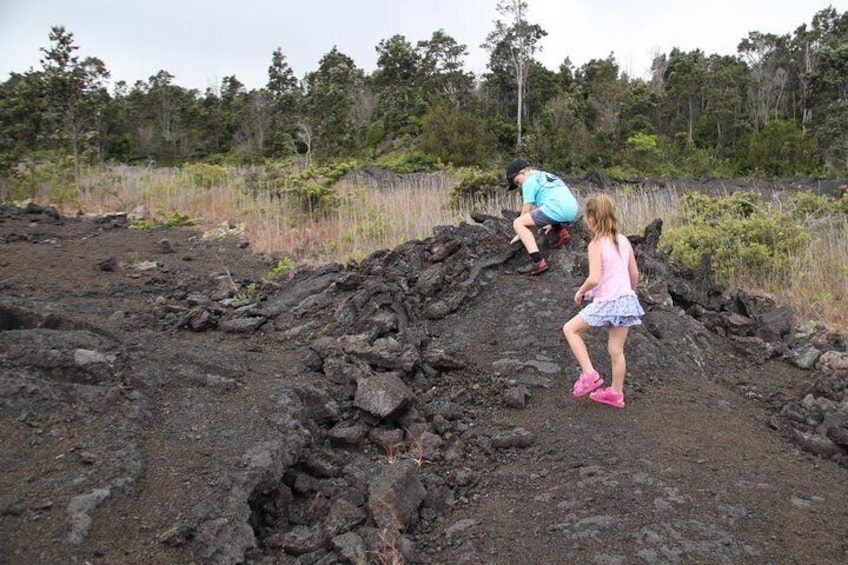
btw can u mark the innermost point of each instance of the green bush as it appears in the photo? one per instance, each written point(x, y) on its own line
point(642, 151)
point(49, 175)
point(163, 219)
point(314, 187)
point(806, 205)
point(701, 207)
point(204, 175)
point(475, 184)
point(376, 228)
point(413, 161)
point(455, 136)
point(738, 236)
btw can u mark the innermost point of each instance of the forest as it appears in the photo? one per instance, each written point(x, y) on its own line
point(779, 107)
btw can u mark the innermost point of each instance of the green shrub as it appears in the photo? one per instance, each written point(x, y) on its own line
point(204, 175)
point(314, 187)
point(642, 151)
point(455, 136)
point(736, 234)
point(701, 207)
point(475, 184)
point(49, 175)
point(376, 228)
point(806, 205)
point(163, 219)
point(622, 173)
point(280, 270)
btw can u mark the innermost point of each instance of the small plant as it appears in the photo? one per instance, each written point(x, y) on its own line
point(417, 453)
point(392, 453)
point(391, 553)
point(375, 228)
point(248, 293)
point(280, 270)
point(234, 288)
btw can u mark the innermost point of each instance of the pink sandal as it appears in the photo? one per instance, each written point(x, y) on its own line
point(586, 383)
point(608, 396)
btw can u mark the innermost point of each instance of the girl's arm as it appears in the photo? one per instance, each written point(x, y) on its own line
point(594, 277)
point(632, 269)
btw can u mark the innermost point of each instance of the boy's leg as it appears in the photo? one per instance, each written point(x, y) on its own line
point(522, 225)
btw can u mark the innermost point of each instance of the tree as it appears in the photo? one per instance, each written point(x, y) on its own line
point(75, 95)
point(603, 97)
point(455, 135)
point(21, 115)
point(725, 85)
point(825, 87)
point(517, 40)
point(778, 149)
point(768, 59)
point(169, 124)
point(286, 98)
point(332, 93)
point(684, 88)
point(281, 79)
point(397, 83)
point(442, 72)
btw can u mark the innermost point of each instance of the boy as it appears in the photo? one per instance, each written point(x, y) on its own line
point(548, 203)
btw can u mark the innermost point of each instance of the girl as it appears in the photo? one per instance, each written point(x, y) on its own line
point(611, 284)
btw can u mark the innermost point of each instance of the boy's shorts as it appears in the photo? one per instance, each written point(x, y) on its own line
point(541, 219)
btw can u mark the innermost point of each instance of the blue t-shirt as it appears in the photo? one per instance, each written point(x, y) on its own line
point(551, 194)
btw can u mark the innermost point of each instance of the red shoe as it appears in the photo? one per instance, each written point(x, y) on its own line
point(562, 238)
point(533, 268)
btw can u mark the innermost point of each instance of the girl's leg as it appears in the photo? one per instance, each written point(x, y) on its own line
point(522, 226)
point(573, 330)
point(615, 347)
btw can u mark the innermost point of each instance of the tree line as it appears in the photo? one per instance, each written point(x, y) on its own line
point(777, 107)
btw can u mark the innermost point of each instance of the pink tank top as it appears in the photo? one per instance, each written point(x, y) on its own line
point(615, 276)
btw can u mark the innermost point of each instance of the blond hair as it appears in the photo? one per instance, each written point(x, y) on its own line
point(602, 210)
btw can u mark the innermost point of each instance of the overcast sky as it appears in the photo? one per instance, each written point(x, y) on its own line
point(202, 41)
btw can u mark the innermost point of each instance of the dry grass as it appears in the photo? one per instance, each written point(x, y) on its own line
point(366, 220)
point(372, 218)
point(818, 286)
point(639, 208)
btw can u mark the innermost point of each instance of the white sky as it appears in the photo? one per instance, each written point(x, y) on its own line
point(202, 41)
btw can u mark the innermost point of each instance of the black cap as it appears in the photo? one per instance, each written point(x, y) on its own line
point(512, 170)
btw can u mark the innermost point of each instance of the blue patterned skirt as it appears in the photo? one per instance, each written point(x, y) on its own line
point(622, 312)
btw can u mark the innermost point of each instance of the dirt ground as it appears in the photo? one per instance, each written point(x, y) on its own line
point(108, 464)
